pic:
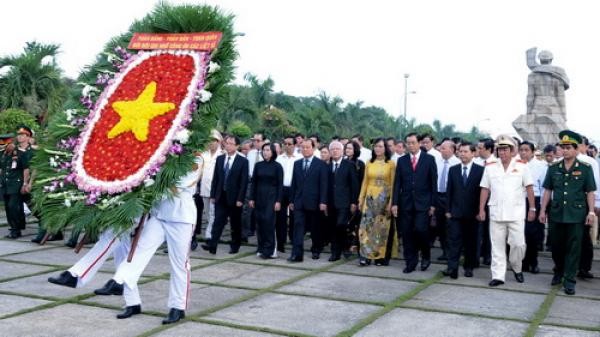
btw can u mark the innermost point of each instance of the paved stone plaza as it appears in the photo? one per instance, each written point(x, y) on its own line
point(244, 296)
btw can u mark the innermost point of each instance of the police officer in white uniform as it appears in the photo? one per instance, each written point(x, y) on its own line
point(173, 220)
point(505, 181)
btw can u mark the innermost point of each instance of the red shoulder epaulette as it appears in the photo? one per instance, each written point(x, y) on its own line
point(521, 161)
point(490, 163)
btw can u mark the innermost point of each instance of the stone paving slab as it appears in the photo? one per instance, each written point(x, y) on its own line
point(586, 288)
point(481, 277)
point(53, 256)
point(574, 311)
point(10, 269)
point(308, 262)
point(298, 314)
point(38, 285)
point(12, 304)
point(245, 275)
point(417, 323)
point(200, 329)
point(11, 247)
point(222, 252)
point(393, 270)
point(351, 287)
point(554, 331)
point(71, 320)
point(490, 302)
point(155, 294)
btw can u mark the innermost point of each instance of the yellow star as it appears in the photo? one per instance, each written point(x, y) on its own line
point(136, 115)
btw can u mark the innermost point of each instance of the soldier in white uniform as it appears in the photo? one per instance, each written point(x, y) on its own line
point(505, 181)
point(172, 219)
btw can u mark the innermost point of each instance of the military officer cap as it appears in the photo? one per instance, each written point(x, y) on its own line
point(23, 129)
point(568, 137)
point(505, 141)
point(6, 138)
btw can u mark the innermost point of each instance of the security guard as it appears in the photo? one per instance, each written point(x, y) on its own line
point(505, 181)
point(570, 184)
point(14, 176)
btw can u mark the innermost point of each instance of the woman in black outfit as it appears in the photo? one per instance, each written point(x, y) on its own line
point(352, 152)
point(265, 197)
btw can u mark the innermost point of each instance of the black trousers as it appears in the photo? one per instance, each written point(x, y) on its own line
point(441, 222)
point(248, 216)
point(302, 219)
point(338, 230)
point(587, 250)
point(532, 237)
point(281, 226)
point(265, 226)
point(484, 244)
point(200, 209)
point(462, 233)
point(415, 236)
point(222, 213)
point(15, 214)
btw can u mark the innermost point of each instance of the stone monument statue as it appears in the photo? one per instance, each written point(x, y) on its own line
point(546, 111)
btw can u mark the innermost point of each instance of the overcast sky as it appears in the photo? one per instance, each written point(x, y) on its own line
point(466, 59)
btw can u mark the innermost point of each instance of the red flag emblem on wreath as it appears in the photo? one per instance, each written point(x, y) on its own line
point(132, 127)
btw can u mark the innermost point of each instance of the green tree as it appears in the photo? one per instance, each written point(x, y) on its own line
point(33, 82)
point(11, 119)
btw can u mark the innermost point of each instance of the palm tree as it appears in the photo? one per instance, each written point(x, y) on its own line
point(33, 82)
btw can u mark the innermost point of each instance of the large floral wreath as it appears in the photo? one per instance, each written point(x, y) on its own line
point(131, 129)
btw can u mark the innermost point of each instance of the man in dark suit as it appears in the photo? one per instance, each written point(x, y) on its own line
point(309, 196)
point(462, 206)
point(343, 198)
point(414, 196)
point(228, 190)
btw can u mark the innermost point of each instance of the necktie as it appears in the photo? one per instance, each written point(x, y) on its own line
point(413, 161)
point(335, 167)
point(464, 175)
point(442, 187)
point(226, 170)
point(305, 166)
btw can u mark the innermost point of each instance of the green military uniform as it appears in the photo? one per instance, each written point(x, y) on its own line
point(12, 166)
point(567, 211)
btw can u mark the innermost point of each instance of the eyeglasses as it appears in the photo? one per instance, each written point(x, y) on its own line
point(289, 143)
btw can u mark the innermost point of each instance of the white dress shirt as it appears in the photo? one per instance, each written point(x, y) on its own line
point(207, 171)
point(595, 167)
point(287, 162)
point(365, 155)
point(254, 156)
point(440, 168)
point(538, 171)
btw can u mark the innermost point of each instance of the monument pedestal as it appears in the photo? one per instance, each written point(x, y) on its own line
point(540, 129)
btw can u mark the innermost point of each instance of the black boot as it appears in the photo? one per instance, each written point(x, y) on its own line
point(194, 243)
point(64, 279)
point(110, 288)
point(130, 311)
point(174, 316)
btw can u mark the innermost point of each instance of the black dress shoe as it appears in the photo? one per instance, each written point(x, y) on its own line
point(534, 270)
point(425, 264)
point(363, 262)
point(570, 290)
point(487, 261)
point(316, 256)
point(453, 273)
point(281, 250)
point(56, 237)
point(174, 316)
point(408, 270)
point(495, 283)
point(584, 274)
point(64, 279)
point(130, 311)
point(442, 257)
point(295, 259)
point(12, 235)
point(347, 254)
point(556, 279)
point(194, 243)
point(37, 239)
point(333, 258)
point(110, 288)
point(468, 272)
point(209, 249)
point(234, 250)
point(519, 277)
point(71, 244)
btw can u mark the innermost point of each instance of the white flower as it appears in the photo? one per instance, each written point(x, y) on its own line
point(68, 202)
point(148, 182)
point(5, 70)
point(213, 67)
point(53, 162)
point(204, 95)
point(88, 89)
point(182, 136)
point(70, 113)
